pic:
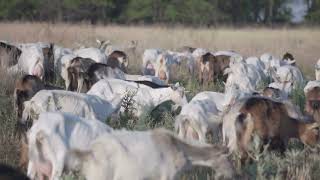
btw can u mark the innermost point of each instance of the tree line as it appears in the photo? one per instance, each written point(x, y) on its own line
point(187, 12)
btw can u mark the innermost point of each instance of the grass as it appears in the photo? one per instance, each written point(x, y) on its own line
point(302, 42)
point(298, 162)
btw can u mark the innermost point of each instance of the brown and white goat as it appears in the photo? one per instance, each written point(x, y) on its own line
point(118, 59)
point(77, 80)
point(26, 87)
point(211, 68)
point(288, 57)
point(274, 122)
point(272, 92)
point(312, 105)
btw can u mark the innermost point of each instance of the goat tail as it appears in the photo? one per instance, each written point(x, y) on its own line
point(180, 127)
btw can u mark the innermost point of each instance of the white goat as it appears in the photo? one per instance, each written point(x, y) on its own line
point(83, 105)
point(31, 61)
point(53, 136)
point(243, 75)
point(288, 75)
point(202, 114)
point(155, 154)
point(186, 58)
point(144, 96)
point(149, 59)
point(258, 64)
point(62, 69)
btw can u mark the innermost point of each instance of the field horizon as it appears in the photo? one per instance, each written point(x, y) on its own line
point(302, 42)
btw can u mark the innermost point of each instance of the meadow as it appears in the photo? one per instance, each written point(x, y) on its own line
point(298, 163)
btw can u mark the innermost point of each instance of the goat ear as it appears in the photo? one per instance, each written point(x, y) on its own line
point(227, 71)
point(173, 86)
point(98, 41)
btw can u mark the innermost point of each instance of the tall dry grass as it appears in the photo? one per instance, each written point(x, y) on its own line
point(302, 42)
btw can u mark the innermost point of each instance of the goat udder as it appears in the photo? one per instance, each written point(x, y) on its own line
point(43, 169)
point(38, 71)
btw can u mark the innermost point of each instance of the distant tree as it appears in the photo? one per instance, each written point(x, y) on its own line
point(188, 12)
point(93, 10)
point(257, 11)
point(18, 9)
point(313, 15)
point(172, 11)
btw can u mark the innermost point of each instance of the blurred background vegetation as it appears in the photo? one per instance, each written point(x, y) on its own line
point(186, 12)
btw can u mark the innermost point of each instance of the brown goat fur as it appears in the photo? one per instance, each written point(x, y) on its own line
point(114, 62)
point(271, 121)
point(312, 104)
point(25, 88)
point(221, 64)
point(9, 173)
point(78, 69)
point(206, 68)
point(211, 67)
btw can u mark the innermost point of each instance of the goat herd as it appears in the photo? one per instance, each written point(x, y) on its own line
point(65, 130)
